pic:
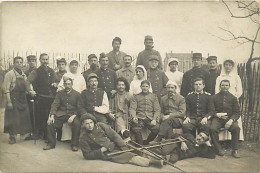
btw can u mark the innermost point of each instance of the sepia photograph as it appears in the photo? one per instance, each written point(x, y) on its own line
point(130, 86)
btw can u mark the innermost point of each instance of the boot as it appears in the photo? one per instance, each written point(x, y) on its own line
point(235, 154)
point(12, 139)
point(139, 138)
point(150, 138)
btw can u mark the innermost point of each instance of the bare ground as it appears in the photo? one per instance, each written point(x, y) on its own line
point(25, 156)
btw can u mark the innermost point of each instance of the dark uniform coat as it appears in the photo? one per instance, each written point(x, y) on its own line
point(189, 76)
point(143, 58)
point(211, 81)
point(158, 81)
point(102, 135)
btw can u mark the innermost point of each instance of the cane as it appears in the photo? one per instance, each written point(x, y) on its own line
point(33, 112)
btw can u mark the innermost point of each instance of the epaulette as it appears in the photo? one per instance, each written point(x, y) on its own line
point(190, 93)
point(207, 93)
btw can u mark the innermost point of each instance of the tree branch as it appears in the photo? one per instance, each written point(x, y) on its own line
point(246, 16)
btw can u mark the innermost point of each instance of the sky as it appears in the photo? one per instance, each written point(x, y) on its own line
point(89, 27)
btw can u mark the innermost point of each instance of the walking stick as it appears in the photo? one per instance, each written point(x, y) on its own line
point(158, 156)
point(33, 112)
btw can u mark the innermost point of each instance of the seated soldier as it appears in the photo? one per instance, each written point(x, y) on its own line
point(67, 107)
point(119, 107)
point(192, 147)
point(95, 100)
point(227, 114)
point(98, 140)
point(145, 111)
point(173, 108)
point(199, 108)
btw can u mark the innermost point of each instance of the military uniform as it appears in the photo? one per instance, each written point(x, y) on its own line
point(146, 108)
point(43, 78)
point(143, 58)
point(189, 76)
point(158, 81)
point(174, 106)
point(107, 80)
point(115, 58)
point(225, 102)
point(87, 72)
point(126, 72)
point(64, 106)
point(198, 106)
point(96, 103)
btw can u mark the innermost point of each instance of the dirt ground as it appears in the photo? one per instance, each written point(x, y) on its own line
point(25, 156)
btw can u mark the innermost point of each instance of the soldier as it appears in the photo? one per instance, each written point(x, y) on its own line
point(106, 77)
point(45, 87)
point(227, 114)
point(189, 76)
point(143, 57)
point(31, 60)
point(173, 109)
point(67, 107)
point(93, 63)
point(145, 111)
point(61, 64)
point(128, 71)
point(193, 147)
point(115, 57)
point(97, 140)
point(213, 74)
point(95, 99)
point(199, 108)
point(157, 77)
point(119, 107)
point(173, 73)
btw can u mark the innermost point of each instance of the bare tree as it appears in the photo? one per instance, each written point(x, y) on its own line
point(244, 10)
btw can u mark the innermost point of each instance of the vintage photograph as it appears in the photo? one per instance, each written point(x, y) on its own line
point(129, 86)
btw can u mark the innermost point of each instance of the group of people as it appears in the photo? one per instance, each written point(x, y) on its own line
point(111, 103)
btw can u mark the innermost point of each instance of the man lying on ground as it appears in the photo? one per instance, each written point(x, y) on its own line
point(97, 140)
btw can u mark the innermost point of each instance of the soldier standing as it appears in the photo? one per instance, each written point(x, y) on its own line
point(128, 71)
point(116, 56)
point(93, 62)
point(195, 72)
point(143, 57)
point(31, 60)
point(61, 64)
point(45, 90)
point(213, 74)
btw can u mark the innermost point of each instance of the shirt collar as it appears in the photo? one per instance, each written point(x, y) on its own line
point(128, 68)
point(198, 92)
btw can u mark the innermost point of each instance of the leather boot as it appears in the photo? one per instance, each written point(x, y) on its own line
point(235, 154)
point(139, 138)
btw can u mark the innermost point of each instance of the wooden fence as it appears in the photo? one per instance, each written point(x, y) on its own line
point(250, 108)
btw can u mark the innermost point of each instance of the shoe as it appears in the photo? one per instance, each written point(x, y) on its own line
point(157, 163)
point(126, 134)
point(30, 137)
point(235, 154)
point(74, 148)
point(221, 152)
point(48, 147)
point(12, 140)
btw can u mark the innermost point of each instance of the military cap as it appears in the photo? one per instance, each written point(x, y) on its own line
point(92, 75)
point(148, 37)
point(88, 116)
point(65, 78)
point(212, 58)
point(197, 55)
point(59, 60)
point(31, 57)
point(117, 39)
point(153, 57)
point(91, 56)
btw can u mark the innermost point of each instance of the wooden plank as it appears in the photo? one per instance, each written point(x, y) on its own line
point(252, 106)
